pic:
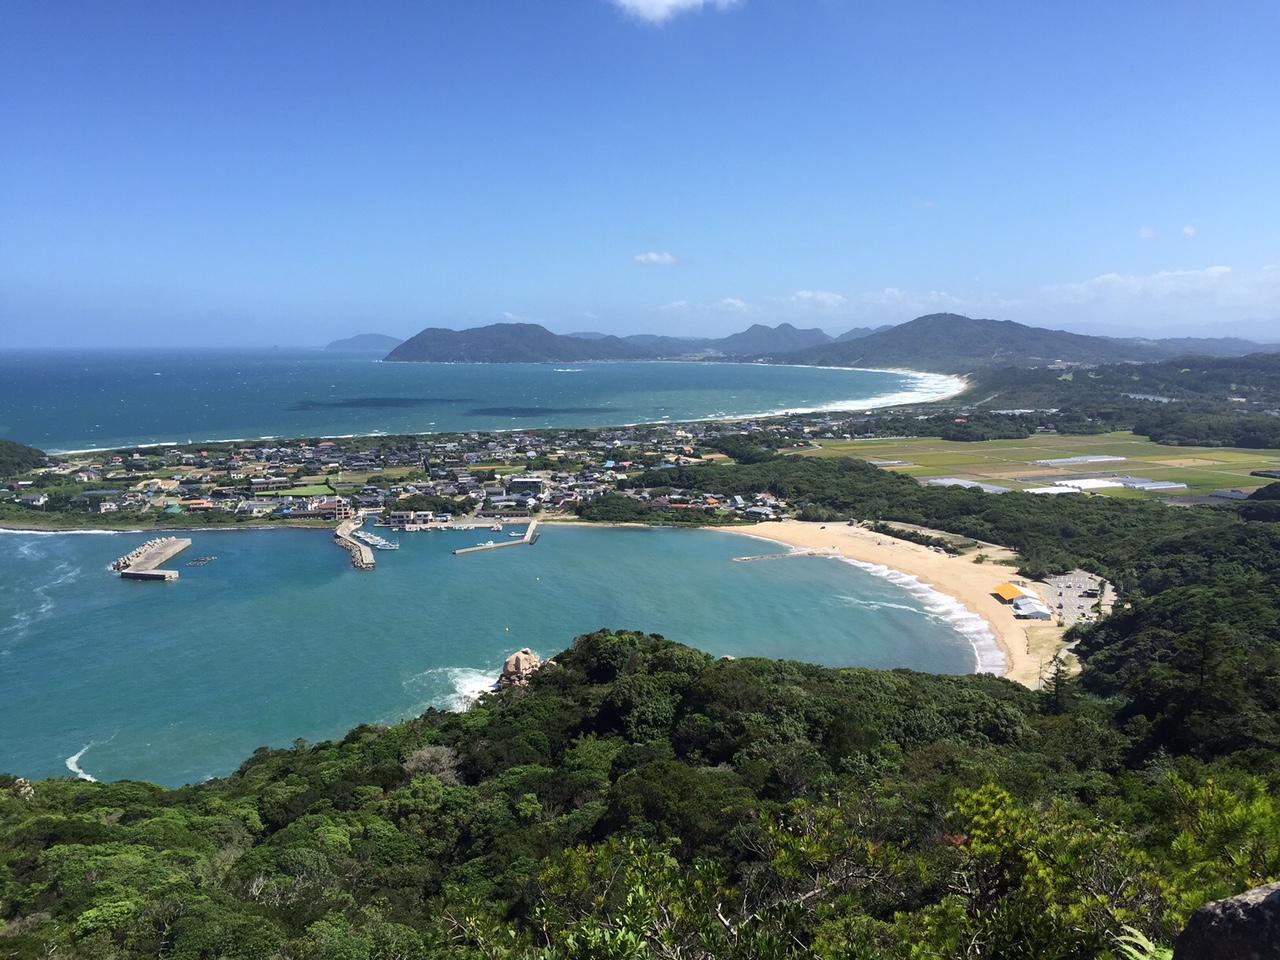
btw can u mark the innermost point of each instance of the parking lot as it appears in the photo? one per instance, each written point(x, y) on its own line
point(1077, 597)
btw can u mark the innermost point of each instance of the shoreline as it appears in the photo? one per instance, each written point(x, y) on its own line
point(955, 385)
point(968, 584)
point(1001, 643)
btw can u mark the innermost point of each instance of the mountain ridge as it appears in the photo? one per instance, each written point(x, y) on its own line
point(941, 342)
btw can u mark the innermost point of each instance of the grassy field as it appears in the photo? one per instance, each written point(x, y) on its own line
point(1012, 463)
point(312, 490)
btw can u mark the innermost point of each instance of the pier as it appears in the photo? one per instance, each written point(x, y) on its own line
point(144, 562)
point(529, 539)
point(361, 555)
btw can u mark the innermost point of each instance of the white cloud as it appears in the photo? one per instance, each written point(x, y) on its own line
point(1163, 284)
point(1208, 301)
point(1146, 233)
point(733, 304)
point(660, 11)
point(656, 258)
point(675, 305)
point(1188, 231)
point(822, 299)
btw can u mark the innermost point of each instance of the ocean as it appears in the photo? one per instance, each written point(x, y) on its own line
point(279, 638)
point(71, 400)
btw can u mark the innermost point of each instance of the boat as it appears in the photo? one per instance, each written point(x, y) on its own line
point(515, 535)
point(373, 540)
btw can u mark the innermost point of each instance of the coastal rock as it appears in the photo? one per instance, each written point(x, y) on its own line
point(1246, 927)
point(520, 666)
point(23, 790)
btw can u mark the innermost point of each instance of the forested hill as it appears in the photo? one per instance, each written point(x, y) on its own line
point(1201, 401)
point(15, 458)
point(1250, 381)
point(957, 344)
point(641, 799)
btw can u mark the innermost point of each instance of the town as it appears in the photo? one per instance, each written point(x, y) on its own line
point(417, 482)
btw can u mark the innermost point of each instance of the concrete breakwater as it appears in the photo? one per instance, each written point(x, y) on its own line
point(530, 537)
point(361, 556)
point(144, 562)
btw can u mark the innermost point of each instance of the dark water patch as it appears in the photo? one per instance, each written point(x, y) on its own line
point(376, 403)
point(533, 411)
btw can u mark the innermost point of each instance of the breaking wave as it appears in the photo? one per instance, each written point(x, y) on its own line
point(988, 656)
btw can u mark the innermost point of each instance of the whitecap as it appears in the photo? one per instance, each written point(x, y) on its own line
point(468, 684)
point(73, 764)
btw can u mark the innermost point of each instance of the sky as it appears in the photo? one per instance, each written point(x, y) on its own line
point(292, 172)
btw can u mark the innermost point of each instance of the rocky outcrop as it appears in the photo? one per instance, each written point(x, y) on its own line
point(23, 790)
point(520, 666)
point(1246, 927)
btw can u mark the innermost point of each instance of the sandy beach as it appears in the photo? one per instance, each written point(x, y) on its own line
point(1027, 645)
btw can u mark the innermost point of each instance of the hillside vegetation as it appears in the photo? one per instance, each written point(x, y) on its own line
point(642, 799)
point(16, 459)
point(953, 343)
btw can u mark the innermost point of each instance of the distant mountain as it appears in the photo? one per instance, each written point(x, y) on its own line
point(510, 343)
point(857, 333)
point(761, 339)
point(755, 339)
point(1204, 346)
point(533, 343)
point(365, 343)
point(940, 341)
point(956, 344)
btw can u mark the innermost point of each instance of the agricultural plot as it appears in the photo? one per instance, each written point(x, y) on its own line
point(1012, 463)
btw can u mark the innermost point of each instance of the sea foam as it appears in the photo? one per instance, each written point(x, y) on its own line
point(465, 685)
point(988, 656)
point(73, 764)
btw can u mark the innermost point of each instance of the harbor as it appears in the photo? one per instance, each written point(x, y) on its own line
point(144, 562)
point(361, 554)
point(373, 540)
point(529, 539)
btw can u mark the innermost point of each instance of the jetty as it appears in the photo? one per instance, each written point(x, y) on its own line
point(361, 555)
point(144, 562)
point(529, 539)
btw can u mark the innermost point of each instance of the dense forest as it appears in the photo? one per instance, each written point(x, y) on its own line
point(16, 459)
point(1195, 401)
point(643, 799)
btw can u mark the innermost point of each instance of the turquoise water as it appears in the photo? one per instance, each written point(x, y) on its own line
point(69, 400)
point(279, 638)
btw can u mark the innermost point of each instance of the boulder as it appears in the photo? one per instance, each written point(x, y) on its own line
point(1246, 927)
point(520, 666)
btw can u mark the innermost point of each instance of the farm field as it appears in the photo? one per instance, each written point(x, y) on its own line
point(1011, 463)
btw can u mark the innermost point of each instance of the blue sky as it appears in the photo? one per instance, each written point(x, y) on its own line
point(290, 172)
